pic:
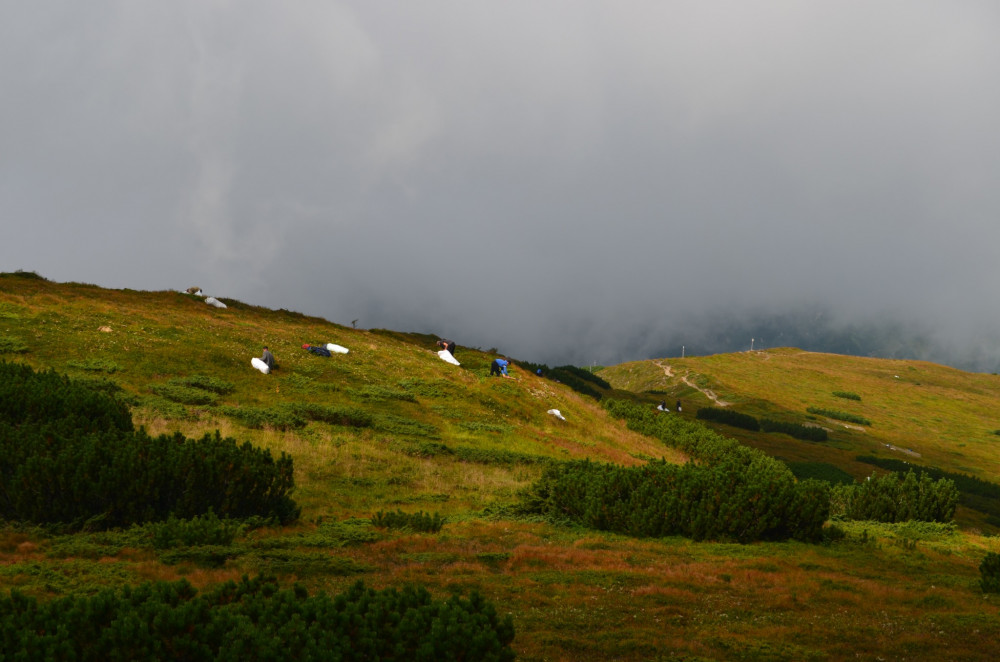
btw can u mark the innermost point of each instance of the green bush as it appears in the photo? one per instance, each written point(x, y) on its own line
point(795, 430)
point(418, 521)
point(976, 493)
point(821, 471)
point(10, 345)
point(346, 416)
point(257, 418)
point(579, 379)
point(254, 620)
point(728, 417)
point(205, 529)
point(989, 571)
point(496, 456)
point(402, 426)
point(727, 501)
point(895, 498)
point(847, 395)
point(95, 365)
point(839, 415)
point(184, 394)
point(212, 384)
point(29, 397)
point(69, 455)
point(381, 393)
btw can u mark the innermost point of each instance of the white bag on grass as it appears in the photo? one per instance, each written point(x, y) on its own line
point(447, 356)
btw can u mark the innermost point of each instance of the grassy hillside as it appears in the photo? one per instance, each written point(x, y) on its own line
point(918, 412)
point(452, 440)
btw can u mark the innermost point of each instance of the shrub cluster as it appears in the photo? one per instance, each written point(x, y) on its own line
point(734, 501)
point(580, 380)
point(10, 345)
point(735, 492)
point(728, 417)
point(748, 422)
point(795, 430)
point(821, 471)
point(205, 383)
point(200, 530)
point(184, 395)
point(847, 395)
point(976, 493)
point(69, 454)
point(294, 415)
point(29, 397)
point(895, 498)
point(419, 521)
point(989, 571)
point(839, 415)
point(253, 620)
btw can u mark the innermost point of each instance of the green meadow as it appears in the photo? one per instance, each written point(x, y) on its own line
point(391, 429)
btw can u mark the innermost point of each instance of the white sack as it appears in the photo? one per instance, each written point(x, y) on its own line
point(260, 365)
point(446, 356)
point(336, 349)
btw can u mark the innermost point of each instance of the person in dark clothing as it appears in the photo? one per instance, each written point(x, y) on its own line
point(678, 405)
point(499, 367)
point(268, 358)
point(448, 345)
point(319, 351)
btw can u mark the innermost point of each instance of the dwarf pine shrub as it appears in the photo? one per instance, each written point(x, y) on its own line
point(69, 454)
point(184, 395)
point(729, 501)
point(728, 417)
point(205, 383)
point(251, 620)
point(10, 345)
point(895, 498)
point(419, 521)
point(794, 430)
point(989, 571)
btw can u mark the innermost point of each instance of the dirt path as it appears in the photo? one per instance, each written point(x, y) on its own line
point(708, 393)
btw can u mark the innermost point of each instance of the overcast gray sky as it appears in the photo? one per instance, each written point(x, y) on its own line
point(564, 180)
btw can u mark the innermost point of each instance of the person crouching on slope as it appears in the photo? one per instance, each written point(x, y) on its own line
point(499, 367)
point(268, 358)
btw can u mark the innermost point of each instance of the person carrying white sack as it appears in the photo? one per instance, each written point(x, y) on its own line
point(268, 358)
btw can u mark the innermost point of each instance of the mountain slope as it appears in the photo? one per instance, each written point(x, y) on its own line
point(149, 343)
point(918, 412)
point(427, 436)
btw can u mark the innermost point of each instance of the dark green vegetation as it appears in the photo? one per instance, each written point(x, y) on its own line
point(418, 521)
point(821, 471)
point(839, 415)
point(728, 417)
point(579, 379)
point(737, 493)
point(847, 395)
point(253, 620)
point(728, 501)
point(896, 498)
point(69, 454)
point(747, 422)
point(989, 571)
point(976, 493)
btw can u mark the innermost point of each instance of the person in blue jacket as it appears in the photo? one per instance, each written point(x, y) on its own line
point(499, 367)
